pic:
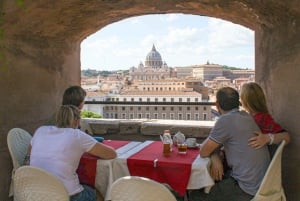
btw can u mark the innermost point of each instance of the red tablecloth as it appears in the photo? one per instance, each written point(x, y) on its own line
point(174, 170)
point(88, 163)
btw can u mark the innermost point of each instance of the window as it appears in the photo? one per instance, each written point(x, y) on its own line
point(188, 100)
point(196, 116)
point(188, 108)
point(131, 108)
point(124, 99)
point(164, 108)
point(180, 99)
point(139, 108)
point(196, 99)
point(155, 116)
point(155, 108)
point(180, 108)
point(171, 115)
point(164, 99)
point(163, 116)
point(172, 99)
point(139, 116)
point(204, 116)
point(204, 108)
point(147, 108)
point(188, 116)
point(123, 108)
point(196, 108)
point(179, 116)
point(148, 99)
point(116, 115)
point(140, 99)
point(131, 116)
point(123, 116)
point(172, 108)
point(132, 99)
point(148, 115)
point(156, 99)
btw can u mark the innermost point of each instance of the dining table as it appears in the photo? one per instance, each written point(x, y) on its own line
point(97, 172)
point(180, 172)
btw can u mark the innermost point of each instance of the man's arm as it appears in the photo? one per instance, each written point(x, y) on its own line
point(208, 147)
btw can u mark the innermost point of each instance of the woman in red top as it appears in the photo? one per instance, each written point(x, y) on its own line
point(254, 101)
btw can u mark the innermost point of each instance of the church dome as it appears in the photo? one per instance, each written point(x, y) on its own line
point(153, 59)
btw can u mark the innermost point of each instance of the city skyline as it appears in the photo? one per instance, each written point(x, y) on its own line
point(182, 40)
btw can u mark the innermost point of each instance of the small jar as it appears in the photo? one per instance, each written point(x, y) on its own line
point(168, 138)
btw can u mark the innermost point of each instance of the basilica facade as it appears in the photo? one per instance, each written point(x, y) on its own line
point(154, 69)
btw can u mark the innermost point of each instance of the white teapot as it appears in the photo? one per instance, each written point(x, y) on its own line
point(178, 138)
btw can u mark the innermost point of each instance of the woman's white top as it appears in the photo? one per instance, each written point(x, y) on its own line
point(58, 150)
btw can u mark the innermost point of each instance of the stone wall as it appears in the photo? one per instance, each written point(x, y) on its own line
point(40, 57)
point(144, 129)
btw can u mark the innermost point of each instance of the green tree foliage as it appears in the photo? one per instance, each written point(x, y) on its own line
point(89, 114)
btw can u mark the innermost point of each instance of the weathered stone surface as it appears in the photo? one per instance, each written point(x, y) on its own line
point(104, 126)
point(40, 57)
point(130, 127)
point(199, 129)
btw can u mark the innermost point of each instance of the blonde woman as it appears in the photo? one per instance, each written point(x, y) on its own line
point(254, 101)
point(58, 150)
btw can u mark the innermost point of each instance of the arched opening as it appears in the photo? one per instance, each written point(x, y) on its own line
point(182, 40)
point(40, 57)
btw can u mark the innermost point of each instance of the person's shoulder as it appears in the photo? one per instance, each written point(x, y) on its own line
point(78, 132)
point(44, 127)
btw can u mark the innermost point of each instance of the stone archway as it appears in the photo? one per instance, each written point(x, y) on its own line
point(40, 57)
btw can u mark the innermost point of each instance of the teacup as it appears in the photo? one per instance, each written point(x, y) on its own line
point(191, 142)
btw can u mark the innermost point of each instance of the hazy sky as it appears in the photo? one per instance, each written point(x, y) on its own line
point(182, 40)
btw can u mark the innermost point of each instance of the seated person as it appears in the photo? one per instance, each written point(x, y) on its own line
point(58, 149)
point(248, 166)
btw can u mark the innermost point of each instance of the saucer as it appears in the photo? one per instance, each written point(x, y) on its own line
point(194, 146)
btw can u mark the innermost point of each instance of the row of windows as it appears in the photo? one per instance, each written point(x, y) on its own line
point(131, 108)
point(171, 116)
point(159, 83)
point(161, 89)
point(156, 99)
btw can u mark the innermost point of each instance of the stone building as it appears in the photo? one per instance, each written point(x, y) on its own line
point(154, 68)
point(174, 105)
point(207, 71)
point(40, 47)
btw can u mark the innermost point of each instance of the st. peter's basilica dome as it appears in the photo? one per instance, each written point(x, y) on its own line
point(153, 59)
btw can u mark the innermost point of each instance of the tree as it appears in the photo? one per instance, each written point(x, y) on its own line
point(89, 114)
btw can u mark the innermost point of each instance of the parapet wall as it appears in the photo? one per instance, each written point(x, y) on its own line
point(144, 129)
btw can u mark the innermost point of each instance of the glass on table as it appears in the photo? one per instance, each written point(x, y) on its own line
point(182, 146)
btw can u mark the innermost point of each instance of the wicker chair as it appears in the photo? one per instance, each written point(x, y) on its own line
point(133, 188)
point(35, 184)
point(18, 141)
point(271, 186)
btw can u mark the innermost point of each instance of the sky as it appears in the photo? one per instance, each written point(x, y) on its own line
point(181, 40)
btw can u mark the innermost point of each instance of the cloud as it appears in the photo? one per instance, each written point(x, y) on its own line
point(224, 34)
point(181, 39)
point(171, 17)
